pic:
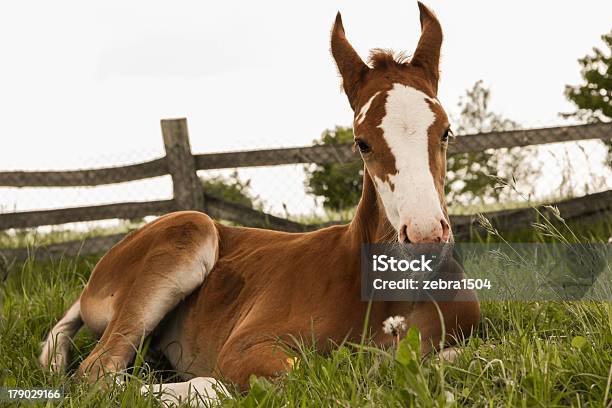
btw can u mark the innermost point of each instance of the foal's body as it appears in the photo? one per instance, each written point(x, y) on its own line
point(222, 315)
point(216, 299)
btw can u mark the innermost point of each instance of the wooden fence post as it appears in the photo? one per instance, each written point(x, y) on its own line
point(188, 193)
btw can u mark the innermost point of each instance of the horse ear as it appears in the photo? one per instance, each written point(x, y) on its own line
point(351, 66)
point(427, 54)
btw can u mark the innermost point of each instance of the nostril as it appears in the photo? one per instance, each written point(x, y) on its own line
point(445, 230)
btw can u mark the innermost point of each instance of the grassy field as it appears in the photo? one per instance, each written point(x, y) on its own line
point(523, 354)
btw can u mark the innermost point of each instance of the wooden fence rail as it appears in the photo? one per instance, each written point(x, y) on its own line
point(322, 154)
point(182, 166)
point(591, 207)
point(343, 153)
point(124, 211)
point(80, 178)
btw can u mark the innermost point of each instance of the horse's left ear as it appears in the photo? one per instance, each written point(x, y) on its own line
point(427, 54)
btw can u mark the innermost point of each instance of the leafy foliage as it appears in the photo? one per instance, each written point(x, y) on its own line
point(230, 189)
point(471, 176)
point(593, 97)
point(338, 184)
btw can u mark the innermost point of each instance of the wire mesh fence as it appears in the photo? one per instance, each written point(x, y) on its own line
point(532, 166)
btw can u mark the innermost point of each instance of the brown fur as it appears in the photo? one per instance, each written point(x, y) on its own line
point(383, 59)
point(265, 285)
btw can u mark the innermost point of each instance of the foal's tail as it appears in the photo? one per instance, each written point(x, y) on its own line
point(55, 348)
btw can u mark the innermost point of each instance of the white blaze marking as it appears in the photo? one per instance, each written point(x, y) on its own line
point(364, 110)
point(414, 198)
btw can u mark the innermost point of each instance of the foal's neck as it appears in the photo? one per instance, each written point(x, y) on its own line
point(370, 223)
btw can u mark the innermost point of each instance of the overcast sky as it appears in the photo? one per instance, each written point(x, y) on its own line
point(84, 85)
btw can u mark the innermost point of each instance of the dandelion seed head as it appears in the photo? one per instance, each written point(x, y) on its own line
point(394, 324)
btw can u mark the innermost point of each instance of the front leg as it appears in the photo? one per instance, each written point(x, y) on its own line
point(239, 360)
point(460, 318)
point(454, 319)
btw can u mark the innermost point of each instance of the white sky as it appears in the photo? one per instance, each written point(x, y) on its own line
point(85, 85)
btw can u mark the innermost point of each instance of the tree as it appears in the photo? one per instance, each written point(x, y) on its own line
point(471, 176)
point(230, 189)
point(338, 184)
point(593, 97)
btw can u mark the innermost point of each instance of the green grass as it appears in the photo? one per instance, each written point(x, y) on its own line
point(522, 354)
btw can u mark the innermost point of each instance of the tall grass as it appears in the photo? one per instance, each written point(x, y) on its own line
point(522, 353)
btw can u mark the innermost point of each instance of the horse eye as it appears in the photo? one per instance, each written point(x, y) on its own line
point(447, 133)
point(362, 146)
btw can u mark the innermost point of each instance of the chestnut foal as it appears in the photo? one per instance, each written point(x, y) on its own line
point(216, 299)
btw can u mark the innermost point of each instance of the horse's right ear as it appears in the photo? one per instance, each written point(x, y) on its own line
point(351, 66)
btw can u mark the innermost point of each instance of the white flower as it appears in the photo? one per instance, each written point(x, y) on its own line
point(450, 398)
point(394, 324)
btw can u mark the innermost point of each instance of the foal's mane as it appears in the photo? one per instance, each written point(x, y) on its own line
point(385, 58)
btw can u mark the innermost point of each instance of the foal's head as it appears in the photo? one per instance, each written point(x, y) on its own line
point(401, 129)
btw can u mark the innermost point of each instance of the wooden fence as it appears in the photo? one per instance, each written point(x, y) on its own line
point(182, 166)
